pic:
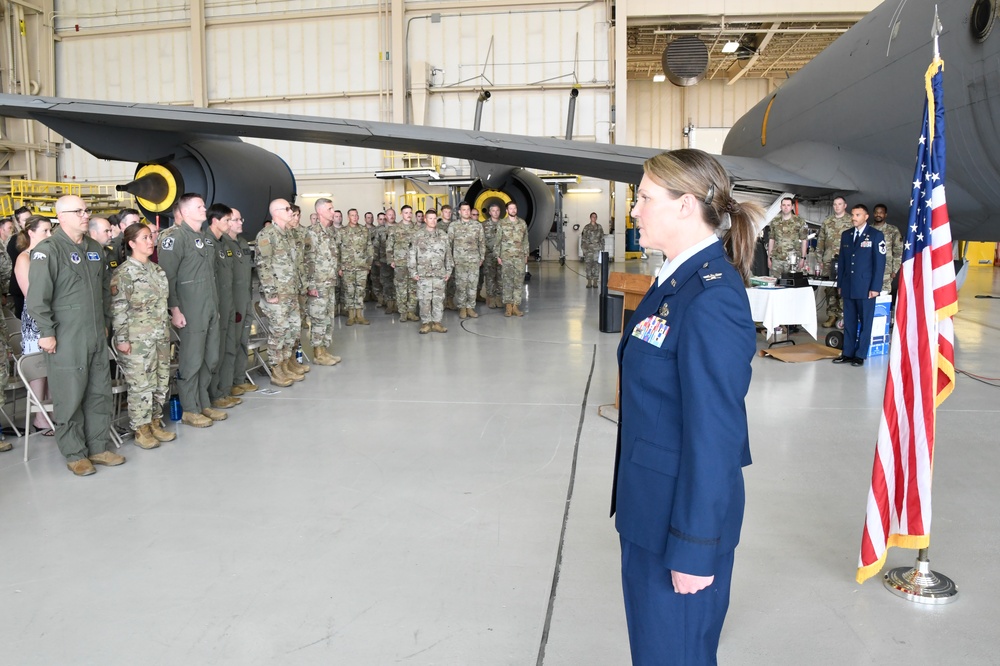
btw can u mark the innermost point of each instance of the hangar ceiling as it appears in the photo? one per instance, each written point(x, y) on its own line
point(769, 46)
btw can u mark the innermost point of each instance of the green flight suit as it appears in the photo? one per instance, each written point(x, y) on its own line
point(70, 299)
point(188, 258)
point(224, 267)
point(243, 299)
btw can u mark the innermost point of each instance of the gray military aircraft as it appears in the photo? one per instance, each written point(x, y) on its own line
point(846, 123)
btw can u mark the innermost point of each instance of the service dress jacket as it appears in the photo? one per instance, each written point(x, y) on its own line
point(861, 265)
point(682, 433)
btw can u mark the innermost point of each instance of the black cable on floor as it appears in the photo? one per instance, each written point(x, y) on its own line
point(569, 500)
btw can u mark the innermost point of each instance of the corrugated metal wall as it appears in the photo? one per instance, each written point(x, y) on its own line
point(264, 55)
point(659, 112)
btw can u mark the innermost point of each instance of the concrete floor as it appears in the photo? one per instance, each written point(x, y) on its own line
point(408, 506)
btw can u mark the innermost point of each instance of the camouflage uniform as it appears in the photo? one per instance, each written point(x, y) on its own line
point(4, 370)
point(355, 260)
point(592, 240)
point(140, 318)
point(827, 247)
point(787, 236)
point(386, 273)
point(278, 278)
point(512, 248)
point(431, 262)
point(449, 285)
point(893, 253)
point(397, 249)
point(321, 269)
point(376, 274)
point(468, 249)
point(243, 300)
point(6, 271)
point(300, 243)
point(491, 269)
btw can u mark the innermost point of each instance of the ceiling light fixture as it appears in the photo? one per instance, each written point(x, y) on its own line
point(731, 46)
point(659, 78)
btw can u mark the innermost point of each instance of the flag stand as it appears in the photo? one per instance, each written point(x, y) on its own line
point(919, 584)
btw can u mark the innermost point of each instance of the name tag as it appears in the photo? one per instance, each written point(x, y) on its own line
point(93, 256)
point(652, 329)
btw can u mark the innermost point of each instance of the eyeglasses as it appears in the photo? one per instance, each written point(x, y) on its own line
point(82, 212)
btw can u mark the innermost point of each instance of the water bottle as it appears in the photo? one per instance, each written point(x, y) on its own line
point(175, 408)
point(298, 355)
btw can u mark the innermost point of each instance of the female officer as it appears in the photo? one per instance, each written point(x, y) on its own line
point(684, 361)
point(140, 319)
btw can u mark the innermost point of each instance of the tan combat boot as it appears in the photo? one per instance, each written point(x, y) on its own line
point(350, 318)
point(425, 328)
point(830, 321)
point(471, 312)
point(196, 420)
point(514, 310)
point(248, 387)
point(81, 467)
point(360, 317)
point(214, 414)
point(157, 431)
point(390, 307)
point(507, 312)
point(236, 391)
point(438, 327)
point(332, 359)
point(144, 438)
point(109, 458)
point(463, 313)
point(319, 356)
point(279, 376)
point(291, 371)
point(302, 365)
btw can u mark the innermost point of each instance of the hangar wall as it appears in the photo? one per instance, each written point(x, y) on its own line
point(333, 58)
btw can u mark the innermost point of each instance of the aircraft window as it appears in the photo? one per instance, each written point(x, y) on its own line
point(984, 13)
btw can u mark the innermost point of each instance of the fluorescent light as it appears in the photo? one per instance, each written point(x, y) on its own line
point(659, 78)
point(730, 47)
point(555, 179)
point(316, 195)
point(430, 174)
point(583, 190)
point(411, 192)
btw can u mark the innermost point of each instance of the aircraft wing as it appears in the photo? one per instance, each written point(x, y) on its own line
point(147, 132)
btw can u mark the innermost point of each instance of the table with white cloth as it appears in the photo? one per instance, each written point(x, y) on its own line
point(783, 306)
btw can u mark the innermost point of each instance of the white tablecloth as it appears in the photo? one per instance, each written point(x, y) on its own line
point(775, 307)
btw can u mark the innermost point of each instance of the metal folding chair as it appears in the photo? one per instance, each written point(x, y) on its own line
point(258, 343)
point(118, 389)
point(29, 368)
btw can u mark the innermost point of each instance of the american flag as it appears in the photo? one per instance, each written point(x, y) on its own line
point(921, 357)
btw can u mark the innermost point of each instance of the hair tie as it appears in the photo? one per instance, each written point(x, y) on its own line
point(732, 207)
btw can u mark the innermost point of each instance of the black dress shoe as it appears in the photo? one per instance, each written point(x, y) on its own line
point(857, 362)
point(842, 359)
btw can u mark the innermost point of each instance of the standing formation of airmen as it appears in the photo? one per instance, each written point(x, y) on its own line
point(196, 277)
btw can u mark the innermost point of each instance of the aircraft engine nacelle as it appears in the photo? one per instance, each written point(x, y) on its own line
point(502, 184)
point(226, 171)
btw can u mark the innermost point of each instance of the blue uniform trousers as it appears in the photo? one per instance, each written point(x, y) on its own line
point(666, 628)
point(858, 312)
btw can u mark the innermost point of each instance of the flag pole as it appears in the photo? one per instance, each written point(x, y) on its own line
point(918, 583)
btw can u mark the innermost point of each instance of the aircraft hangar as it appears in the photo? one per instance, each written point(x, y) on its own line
point(443, 499)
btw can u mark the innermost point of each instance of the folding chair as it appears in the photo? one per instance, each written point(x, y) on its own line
point(258, 343)
point(118, 388)
point(29, 368)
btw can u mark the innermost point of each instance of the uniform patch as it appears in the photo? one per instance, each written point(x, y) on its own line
point(38, 255)
point(93, 256)
point(168, 243)
point(881, 247)
point(711, 276)
point(653, 330)
point(114, 290)
point(229, 253)
point(239, 253)
point(222, 255)
point(74, 257)
point(113, 264)
point(208, 242)
point(198, 243)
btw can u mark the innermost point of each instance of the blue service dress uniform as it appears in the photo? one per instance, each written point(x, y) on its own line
point(860, 270)
point(684, 363)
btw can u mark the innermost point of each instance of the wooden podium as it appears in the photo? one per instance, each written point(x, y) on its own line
point(634, 286)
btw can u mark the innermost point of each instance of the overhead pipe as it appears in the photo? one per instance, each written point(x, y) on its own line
point(483, 96)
